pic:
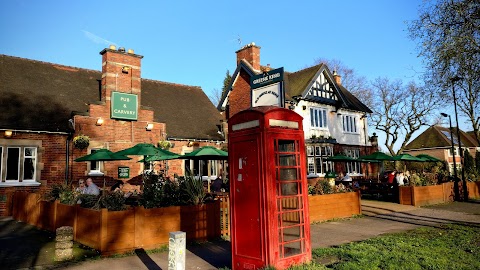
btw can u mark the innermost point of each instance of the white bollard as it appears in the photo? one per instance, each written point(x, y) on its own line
point(176, 250)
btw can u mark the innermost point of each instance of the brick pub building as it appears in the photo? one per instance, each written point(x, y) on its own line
point(45, 106)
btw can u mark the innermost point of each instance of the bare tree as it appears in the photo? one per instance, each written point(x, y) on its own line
point(400, 111)
point(358, 85)
point(215, 96)
point(448, 36)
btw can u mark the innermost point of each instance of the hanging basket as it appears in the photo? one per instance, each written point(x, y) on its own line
point(81, 141)
point(164, 145)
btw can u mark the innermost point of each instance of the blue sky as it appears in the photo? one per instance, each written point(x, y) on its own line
point(194, 42)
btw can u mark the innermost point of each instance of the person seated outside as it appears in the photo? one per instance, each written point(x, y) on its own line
point(391, 177)
point(118, 186)
point(400, 178)
point(217, 184)
point(91, 189)
point(347, 178)
point(81, 186)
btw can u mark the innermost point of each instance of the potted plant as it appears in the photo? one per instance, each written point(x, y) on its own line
point(164, 145)
point(81, 141)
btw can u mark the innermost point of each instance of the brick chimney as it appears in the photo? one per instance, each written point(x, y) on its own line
point(338, 78)
point(251, 53)
point(120, 72)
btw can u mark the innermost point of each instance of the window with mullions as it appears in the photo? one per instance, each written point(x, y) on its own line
point(318, 118)
point(353, 167)
point(349, 124)
point(29, 163)
point(316, 159)
point(19, 163)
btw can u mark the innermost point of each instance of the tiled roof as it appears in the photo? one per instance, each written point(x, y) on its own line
point(296, 83)
point(41, 96)
point(438, 137)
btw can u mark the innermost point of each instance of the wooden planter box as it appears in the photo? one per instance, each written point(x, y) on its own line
point(426, 195)
point(339, 205)
point(473, 190)
point(118, 231)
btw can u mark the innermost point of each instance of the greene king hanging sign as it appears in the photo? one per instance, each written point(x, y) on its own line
point(267, 88)
point(124, 106)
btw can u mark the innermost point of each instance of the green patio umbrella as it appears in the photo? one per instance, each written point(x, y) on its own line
point(206, 153)
point(166, 156)
point(407, 157)
point(102, 155)
point(428, 158)
point(144, 149)
point(377, 156)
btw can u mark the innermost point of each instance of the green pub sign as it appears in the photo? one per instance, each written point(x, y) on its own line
point(124, 106)
point(123, 172)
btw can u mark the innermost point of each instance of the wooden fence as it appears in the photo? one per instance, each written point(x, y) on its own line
point(331, 206)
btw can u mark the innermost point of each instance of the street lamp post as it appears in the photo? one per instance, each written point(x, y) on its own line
point(455, 177)
point(464, 182)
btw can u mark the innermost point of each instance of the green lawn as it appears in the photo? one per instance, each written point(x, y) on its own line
point(449, 247)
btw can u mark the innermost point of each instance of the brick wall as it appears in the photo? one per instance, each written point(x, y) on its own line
point(51, 163)
point(240, 97)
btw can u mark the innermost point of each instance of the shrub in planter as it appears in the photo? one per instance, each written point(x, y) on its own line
point(323, 187)
point(193, 189)
point(89, 201)
point(61, 192)
point(113, 201)
point(159, 192)
point(81, 141)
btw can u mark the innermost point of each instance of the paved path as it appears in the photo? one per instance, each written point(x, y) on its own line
point(35, 248)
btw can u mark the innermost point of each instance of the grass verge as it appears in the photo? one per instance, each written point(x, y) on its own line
point(448, 247)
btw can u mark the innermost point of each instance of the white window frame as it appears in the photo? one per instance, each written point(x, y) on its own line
point(98, 164)
point(450, 151)
point(349, 123)
point(318, 123)
point(18, 165)
point(353, 168)
point(34, 157)
point(315, 159)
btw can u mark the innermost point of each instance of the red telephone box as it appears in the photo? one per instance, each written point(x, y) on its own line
point(268, 189)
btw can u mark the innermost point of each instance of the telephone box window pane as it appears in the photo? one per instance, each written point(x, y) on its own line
point(289, 189)
point(292, 218)
point(13, 163)
point(286, 146)
point(290, 203)
point(288, 174)
point(292, 233)
point(291, 249)
point(287, 160)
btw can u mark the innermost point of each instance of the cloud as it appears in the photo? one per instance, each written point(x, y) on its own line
point(98, 39)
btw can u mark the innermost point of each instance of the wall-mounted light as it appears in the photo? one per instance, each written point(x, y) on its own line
point(125, 69)
point(304, 107)
point(149, 127)
point(8, 133)
point(99, 122)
